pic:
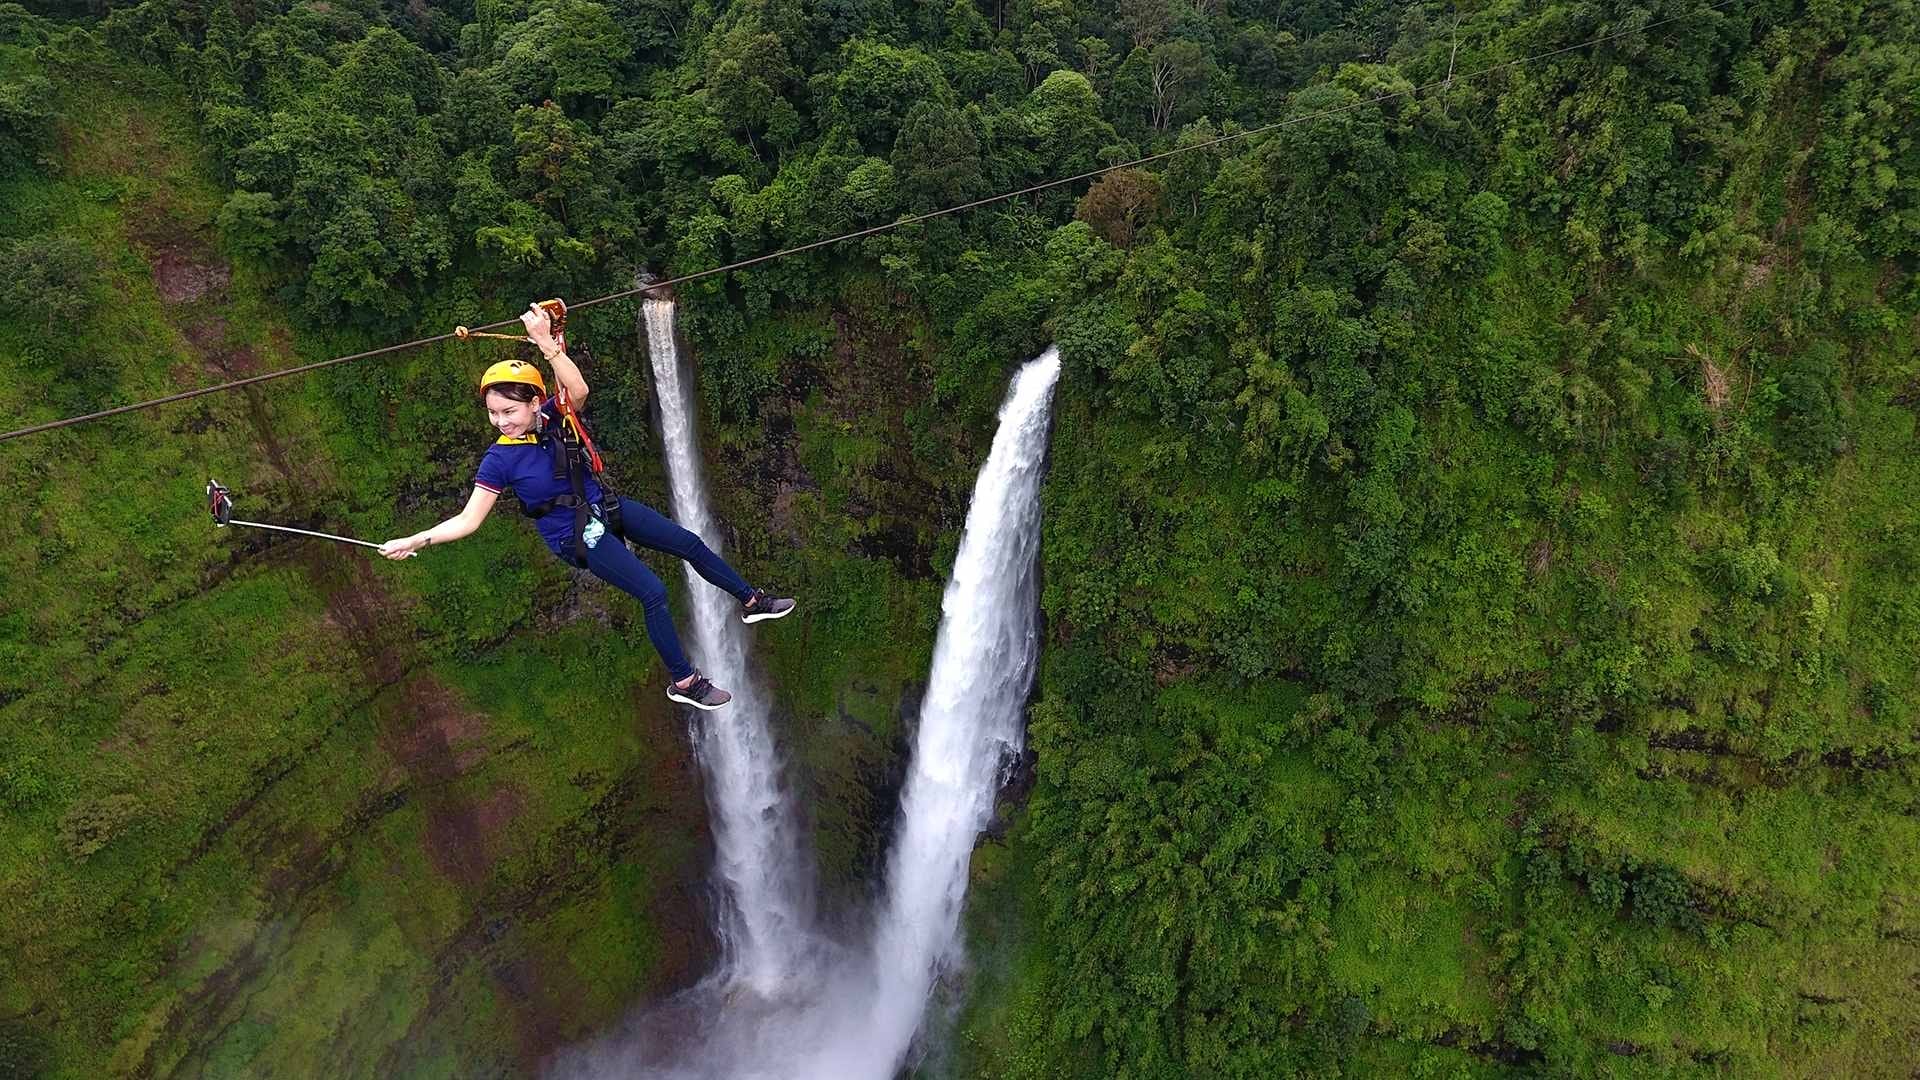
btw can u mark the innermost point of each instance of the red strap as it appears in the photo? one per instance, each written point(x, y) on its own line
point(572, 420)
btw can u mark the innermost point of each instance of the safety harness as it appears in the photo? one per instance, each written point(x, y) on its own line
point(574, 459)
point(571, 448)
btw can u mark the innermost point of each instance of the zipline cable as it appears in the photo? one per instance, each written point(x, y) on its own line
point(1411, 91)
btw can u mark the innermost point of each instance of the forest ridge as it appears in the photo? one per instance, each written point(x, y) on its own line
point(1482, 542)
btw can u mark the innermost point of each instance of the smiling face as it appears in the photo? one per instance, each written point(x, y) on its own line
point(513, 417)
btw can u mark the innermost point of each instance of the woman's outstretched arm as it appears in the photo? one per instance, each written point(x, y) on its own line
point(479, 505)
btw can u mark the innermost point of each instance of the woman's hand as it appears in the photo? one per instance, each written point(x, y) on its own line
point(405, 548)
point(540, 331)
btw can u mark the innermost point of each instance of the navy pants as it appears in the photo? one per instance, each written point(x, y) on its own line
point(614, 563)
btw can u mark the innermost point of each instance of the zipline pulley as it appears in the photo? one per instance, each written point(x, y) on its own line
point(556, 316)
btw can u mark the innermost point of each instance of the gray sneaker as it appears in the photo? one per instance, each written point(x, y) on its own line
point(762, 607)
point(701, 694)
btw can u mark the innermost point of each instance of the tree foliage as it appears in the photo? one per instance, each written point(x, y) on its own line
point(1480, 538)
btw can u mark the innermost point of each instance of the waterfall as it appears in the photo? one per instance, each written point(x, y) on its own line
point(862, 1006)
point(970, 723)
point(766, 889)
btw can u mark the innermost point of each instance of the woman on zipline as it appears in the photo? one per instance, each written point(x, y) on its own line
point(532, 460)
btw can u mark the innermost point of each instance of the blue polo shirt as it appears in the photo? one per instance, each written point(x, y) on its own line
point(524, 465)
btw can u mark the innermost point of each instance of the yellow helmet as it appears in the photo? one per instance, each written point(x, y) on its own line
point(513, 371)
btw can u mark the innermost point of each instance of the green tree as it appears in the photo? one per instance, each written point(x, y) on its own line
point(563, 215)
point(250, 223)
point(26, 118)
point(1045, 30)
point(1119, 203)
point(871, 190)
point(55, 277)
point(937, 156)
point(1868, 159)
point(747, 72)
point(1064, 123)
point(570, 50)
point(879, 86)
point(20, 27)
point(1165, 85)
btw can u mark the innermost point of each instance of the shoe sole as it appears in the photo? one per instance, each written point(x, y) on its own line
point(764, 616)
point(671, 696)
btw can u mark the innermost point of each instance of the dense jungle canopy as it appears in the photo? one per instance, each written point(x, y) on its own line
point(1482, 541)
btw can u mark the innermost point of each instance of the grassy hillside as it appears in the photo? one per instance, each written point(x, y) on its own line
point(270, 805)
point(1612, 774)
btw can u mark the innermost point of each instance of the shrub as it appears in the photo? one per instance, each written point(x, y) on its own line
point(1751, 571)
point(23, 784)
point(23, 1051)
point(250, 223)
point(26, 117)
point(54, 274)
point(93, 823)
point(1812, 412)
point(1661, 897)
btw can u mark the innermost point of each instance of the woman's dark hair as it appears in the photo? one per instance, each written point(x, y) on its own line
point(512, 391)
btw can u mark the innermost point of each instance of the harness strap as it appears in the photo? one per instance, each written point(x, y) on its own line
point(542, 509)
point(582, 508)
point(574, 457)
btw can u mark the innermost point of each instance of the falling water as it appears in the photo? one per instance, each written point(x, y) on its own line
point(970, 724)
point(862, 1006)
point(766, 914)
